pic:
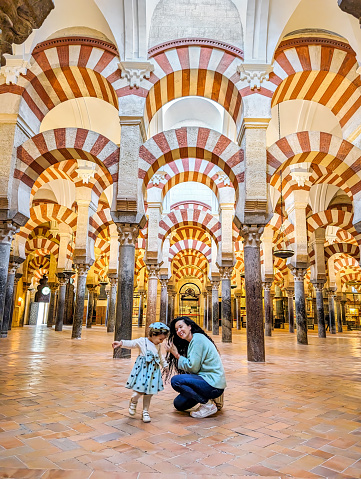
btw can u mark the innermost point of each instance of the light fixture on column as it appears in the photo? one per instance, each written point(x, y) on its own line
point(283, 251)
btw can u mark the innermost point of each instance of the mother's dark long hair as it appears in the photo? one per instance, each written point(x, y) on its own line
point(181, 344)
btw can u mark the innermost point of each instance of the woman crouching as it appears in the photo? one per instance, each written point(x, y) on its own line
point(194, 355)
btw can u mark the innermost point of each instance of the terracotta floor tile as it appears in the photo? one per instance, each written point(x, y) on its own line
point(338, 463)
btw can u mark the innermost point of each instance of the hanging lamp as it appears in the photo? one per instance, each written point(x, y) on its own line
point(284, 251)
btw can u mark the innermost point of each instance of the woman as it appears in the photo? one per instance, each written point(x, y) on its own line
point(192, 351)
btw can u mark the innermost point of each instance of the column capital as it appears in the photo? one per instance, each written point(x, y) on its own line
point(153, 271)
point(225, 272)
point(318, 285)
point(82, 269)
point(267, 285)
point(134, 72)
point(163, 282)
point(298, 273)
point(113, 279)
point(128, 234)
point(215, 284)
point(331, 292)
point(251, 235)
point(53, 287)
point(7, 231)
point(290, 292)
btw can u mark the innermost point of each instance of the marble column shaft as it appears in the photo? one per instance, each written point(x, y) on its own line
point(301, 315)
point(51, 310)
point(141, 309)
point(90, 311)
point(208, 327)
point(79, 301)
point(238, 312)
point(204, 294)
point(112, 303)
point(331, 308)
point(171, 304)
point(151, 316)
point(339, 318)
point(291, 313)
point(226, 274)
point(267, 307)
point(9, 298)
point(215, 308)
point(7, 231)
point(320, 310)
point(343, 311)
point(253, 287)
point(163, 301)
point(61, 304)
point(128, 234)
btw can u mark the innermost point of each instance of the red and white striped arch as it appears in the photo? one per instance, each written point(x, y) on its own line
point(186, 246)
point(343, 262)
point(38, 262)
point(189, 169)
point(191, 142)
point(344, 248)
point(48, 212)
point(342, 219)
point(190, 217)
point(42, 246)
point(189, 272)
point(320, 70)
point(191, 233)
point(351, 277)
point(65, 170)
point(191, 260)
point(343, 236)
point(65, 68)
point(98, 222)
point(276, 224)
point(318, 148)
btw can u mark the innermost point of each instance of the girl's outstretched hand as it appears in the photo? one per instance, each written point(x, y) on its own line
point(116, 344)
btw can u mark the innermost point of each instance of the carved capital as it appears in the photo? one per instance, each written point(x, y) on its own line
point(128, 234)
point(226, 272)
point(53, 287)
point(135, 72)
point(62, 281)
point(318, 285)
point(215, 285)
point(254, 73)
point(290, 292)
point(298, 273)
point(163, 282)
point(153, 271)
point(13, 69)
point(331, 292)
point(267, 285)
point(82, 269)
point(113, 280)
point(13, 266)
point(251, 235)
point(7, 231)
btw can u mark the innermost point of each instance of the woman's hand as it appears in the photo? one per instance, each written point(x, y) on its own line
point(170, 348)
point(117, 344)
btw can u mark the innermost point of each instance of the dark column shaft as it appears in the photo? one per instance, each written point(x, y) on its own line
point(163, 302)
point(128, 235)
point(320, 312)
point(301, 316)
point(209, 308)
point(112, 304)
point(238, 312)
point(61, 305)
point(339, 318)
point(7, 231)
point(268, 309)
point(253, 287)
point(215, 309)
point(90, 311)
point(343, 311)
point(171, 304)
point(79, 301)
point(9, 297)
point(226, 306)
point(141, 310)
point(331, 307)
point(51, 311)
point(291, 314)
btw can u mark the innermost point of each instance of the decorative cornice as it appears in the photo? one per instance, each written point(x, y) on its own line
point(203, 42)
point(135, 72)
point(81, 40)
point(305, 41)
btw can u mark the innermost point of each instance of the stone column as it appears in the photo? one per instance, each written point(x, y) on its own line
point(226, 275)
point(215, 307)
point(301, 316)
point(209, 308)
point(18, 276)
point(7, 231)
point(171, 306)
point(63, 280)
point(291, 314)
point(151, 316)
point(205, 310)
point(331, 309)
point(79, 300)
point(267, 285)
point(343, 310)
point(320, 308)
point(339, 318)
point(113, 280)
point(238, 311)
point(163, 300)
point(51, 312)
point(89, 318)
point(9, 296)
point(95, 303)
point(128, 235)
point(141, 308)
point(26, 305)
point(253, 287)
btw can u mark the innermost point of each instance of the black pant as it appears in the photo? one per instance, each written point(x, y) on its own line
point(193, 389)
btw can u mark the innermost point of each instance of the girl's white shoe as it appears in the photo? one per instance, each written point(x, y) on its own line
point(132, 408)
point(146, 417)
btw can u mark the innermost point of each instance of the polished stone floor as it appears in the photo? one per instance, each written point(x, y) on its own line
point(63, 412)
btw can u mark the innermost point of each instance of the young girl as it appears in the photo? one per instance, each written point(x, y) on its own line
point(146, 377)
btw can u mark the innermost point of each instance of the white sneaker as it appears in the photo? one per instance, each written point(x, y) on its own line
point(205, 410)
point(146, 417)
point(132, 408)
